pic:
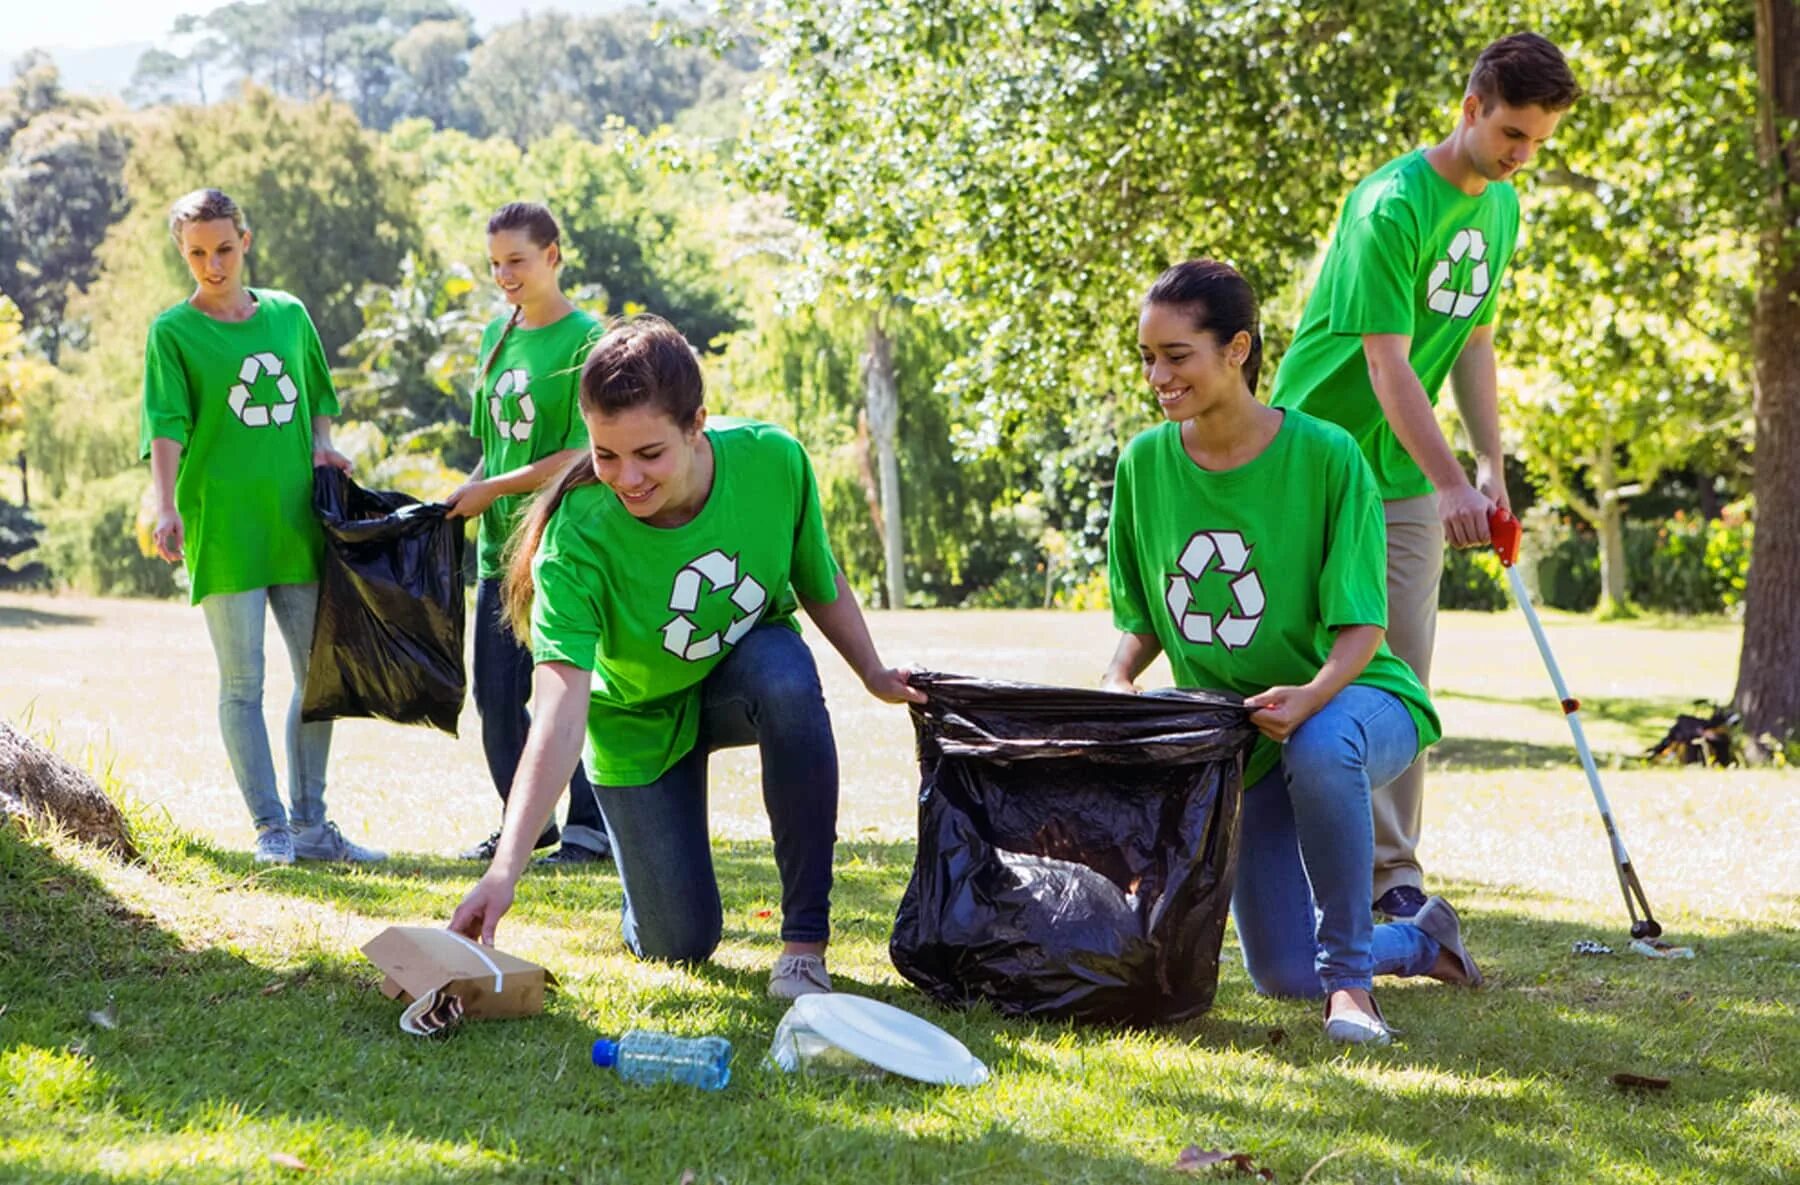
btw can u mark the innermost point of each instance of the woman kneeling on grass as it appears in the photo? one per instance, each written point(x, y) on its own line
point(670, 567)
point(1248, 544)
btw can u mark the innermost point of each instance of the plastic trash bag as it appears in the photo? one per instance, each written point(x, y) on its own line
point(389, 636)
point(1076, 849)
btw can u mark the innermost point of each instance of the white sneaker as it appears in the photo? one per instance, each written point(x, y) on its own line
point(798, 975)
point(326, 842)
point(1352, 1026)
point(274, 845)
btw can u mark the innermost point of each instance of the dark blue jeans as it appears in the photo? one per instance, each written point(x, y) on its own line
point(766, 692)
point(502, 688)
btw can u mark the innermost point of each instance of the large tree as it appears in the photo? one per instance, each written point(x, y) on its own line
point(1768, 690)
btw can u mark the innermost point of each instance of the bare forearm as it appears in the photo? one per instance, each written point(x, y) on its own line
point(530, 478)
point(1351, 651)
point(842, 623)
point(321, 432)
point(1475, 383)
point(1132, 658)
point(165, 463)
point(552, 749)
point(1409, 413)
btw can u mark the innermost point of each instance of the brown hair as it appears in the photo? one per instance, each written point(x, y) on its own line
point(540, 227)
point(204, 205)
point(1218, 300)
point(1523, 70)
point(643, 361)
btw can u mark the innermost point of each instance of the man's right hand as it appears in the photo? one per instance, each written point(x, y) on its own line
point(480, 912)
point(1464, 512)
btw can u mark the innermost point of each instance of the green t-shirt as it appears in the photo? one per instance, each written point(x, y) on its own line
point(652, 610)
point(1244, 575)
point(240, 397)
point(527, 408)
point(1412, 254)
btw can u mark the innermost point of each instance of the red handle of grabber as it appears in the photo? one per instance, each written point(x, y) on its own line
point(1505, 532)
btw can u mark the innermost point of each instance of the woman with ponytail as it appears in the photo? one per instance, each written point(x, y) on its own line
point(1248, 545)
point(658, 582)
point(527, 418)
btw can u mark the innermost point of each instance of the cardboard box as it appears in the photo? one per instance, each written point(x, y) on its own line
point(421, 960)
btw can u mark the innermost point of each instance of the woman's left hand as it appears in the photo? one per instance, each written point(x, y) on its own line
point(1282, 710)
point(331, 459)
point(892, 686)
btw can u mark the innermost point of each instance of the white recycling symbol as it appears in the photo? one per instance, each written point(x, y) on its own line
point(719, 571)
point(1469, 243)
point(513, 382)
point(1234, 629)
point(261, 415)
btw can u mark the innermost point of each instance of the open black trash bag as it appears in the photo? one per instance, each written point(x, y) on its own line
point(1076, 849)
point(389, 637)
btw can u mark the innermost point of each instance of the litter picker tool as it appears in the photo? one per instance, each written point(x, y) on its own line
point(1504, 529)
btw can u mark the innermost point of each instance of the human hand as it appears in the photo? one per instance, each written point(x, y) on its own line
point(169, 535)
point(481, 911)
point(893, 686)
point(469, 499)
point(330, 458)
point(1464, 511)
point(1282, 710)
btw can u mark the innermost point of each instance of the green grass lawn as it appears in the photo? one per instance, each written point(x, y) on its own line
point(249, 1029)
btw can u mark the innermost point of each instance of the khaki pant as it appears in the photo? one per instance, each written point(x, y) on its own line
point(1415, 539)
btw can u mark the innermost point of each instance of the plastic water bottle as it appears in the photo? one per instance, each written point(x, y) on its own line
point(643, 1058)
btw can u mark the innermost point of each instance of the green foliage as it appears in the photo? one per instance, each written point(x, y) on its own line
point(1685, 564)
point(330, 209)
point(1473, 579)
point(91, 542)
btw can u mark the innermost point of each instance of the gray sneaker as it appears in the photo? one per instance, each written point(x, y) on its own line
point(1438, 919)
point(798, 975)
point(274, 845)
point(326, 842)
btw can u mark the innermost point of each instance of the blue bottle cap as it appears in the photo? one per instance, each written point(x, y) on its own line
point(605, 1052)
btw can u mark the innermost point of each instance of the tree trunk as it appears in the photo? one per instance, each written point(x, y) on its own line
point(36, 783)
point(883, 391)
point(1615, 582)
point(1768, 689)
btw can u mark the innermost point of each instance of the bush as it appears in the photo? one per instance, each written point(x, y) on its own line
point(1685, 564)
point(1473, 579)
point(91, 542)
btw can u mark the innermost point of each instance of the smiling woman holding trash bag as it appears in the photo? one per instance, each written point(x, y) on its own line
point(237, 400)
point(670, 564)
point(526, 417)
point(1247, 544)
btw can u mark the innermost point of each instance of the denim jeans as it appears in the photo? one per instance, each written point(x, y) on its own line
point(766, 692)
point(502, 688)
point(236, 623)
point(1303, 897)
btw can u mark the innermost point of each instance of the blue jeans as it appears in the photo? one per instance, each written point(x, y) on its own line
point(236, 623)
point(1303, 898)
point(765, 692)
point(502, 688)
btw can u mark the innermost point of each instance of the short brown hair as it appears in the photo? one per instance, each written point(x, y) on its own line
point(1523, 70)
point(204, 205)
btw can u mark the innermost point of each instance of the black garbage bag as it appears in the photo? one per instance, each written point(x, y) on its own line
point(389, 637)
point(1076, 849)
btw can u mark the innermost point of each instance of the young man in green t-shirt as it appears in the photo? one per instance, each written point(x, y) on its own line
point(1407, 298)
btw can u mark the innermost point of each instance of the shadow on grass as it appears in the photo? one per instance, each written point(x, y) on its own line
point(1484, 753)
point(13, 617)
point(1649, 716)
point(206, 1056)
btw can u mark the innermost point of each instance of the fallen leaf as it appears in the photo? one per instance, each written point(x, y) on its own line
point(1277, 1036)
point(1627, 1081)
point(687, 1177)
point(765, 913)
point(287, 1160)
point(274, 987)
point(1194, 1158)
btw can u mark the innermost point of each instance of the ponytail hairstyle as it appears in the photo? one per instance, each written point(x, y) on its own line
point(204, 205)
point(643, 361)
point(540, 227)
point(1218, 300)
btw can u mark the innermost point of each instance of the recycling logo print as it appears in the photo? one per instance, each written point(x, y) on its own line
point(1469, 243)
point(513, 382)
point(1231, 555)
point(715, 571)
point(261, 415)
